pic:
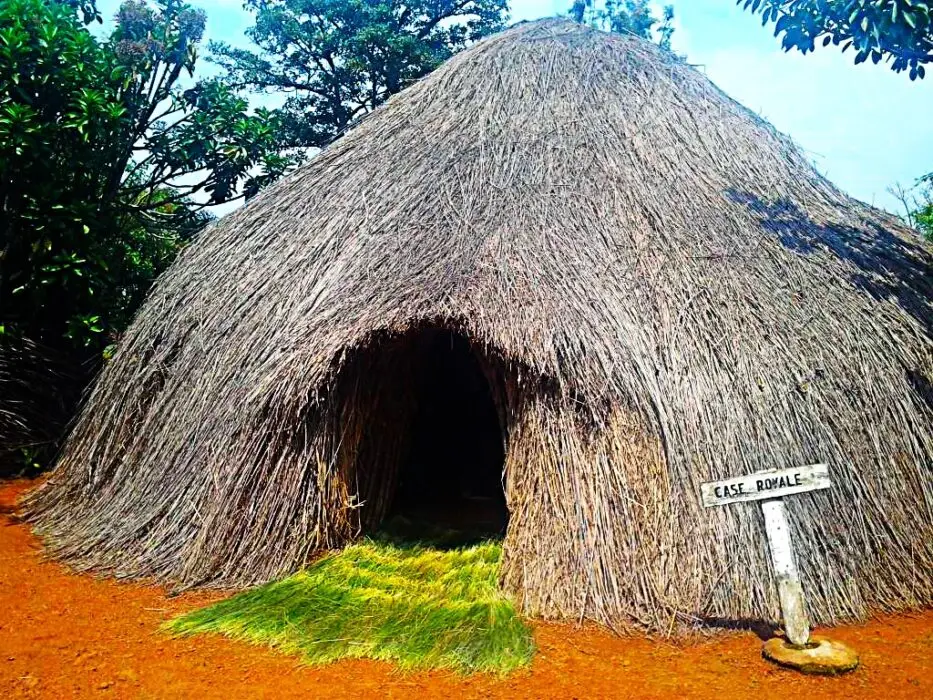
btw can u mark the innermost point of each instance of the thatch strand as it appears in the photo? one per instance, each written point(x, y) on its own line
point(661, 290)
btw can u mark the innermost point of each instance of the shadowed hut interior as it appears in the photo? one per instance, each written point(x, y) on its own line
point(657, 289)
point(451, 475)
point(432, 448)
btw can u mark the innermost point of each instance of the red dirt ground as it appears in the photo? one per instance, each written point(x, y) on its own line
point(64, 635)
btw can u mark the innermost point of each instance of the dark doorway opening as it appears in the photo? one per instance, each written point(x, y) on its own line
point(451, 476)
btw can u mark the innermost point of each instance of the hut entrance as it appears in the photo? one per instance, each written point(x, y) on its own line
point(451, 476)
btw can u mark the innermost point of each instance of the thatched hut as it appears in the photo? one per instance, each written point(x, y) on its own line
point(564, 266)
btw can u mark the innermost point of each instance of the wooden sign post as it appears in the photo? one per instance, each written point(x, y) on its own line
point(770, 487)
point(796, 622)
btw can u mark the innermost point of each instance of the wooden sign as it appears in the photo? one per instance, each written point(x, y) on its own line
point(770, 487)
point(770, 484)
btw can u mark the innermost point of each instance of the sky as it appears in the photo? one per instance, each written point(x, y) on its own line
point(864, 127)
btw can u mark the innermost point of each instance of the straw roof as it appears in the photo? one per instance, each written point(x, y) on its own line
point(662, 291)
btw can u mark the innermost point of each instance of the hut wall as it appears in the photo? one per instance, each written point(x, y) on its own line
point(600, 530)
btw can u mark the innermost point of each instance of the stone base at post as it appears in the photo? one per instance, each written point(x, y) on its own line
point(820, 656)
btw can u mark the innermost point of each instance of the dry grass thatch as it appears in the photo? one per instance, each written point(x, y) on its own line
point(38, 391)
point(659, 287)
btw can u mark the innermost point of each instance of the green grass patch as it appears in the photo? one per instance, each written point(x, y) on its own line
point(415, 605)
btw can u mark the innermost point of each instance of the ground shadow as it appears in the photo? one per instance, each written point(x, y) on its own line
point(885, 265)
point(763, 630)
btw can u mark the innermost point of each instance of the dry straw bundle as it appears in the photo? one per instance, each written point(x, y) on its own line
point(659, 288)
point(37, 394)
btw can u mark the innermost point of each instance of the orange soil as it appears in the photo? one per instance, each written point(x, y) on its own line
point(66, 635)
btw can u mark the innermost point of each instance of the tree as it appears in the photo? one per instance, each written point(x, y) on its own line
point(196, 140)
point(107, 164)
point(918, 204)
point(899, 31)
point(337, 60)
point(924, 218)
point(101, 155)
point(627, 17)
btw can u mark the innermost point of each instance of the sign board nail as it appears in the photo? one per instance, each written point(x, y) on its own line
point(770, 487)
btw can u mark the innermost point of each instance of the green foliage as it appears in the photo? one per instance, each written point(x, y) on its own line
point(196, 140)
point(923, 214)
point(917, 203)
point(416, 606)
point(924, 218)
point(627, 17)
point(101, 154)
point(107, 163)
point(900, 31)
point(337, 60)
point(86, 8)
point(59, 114)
